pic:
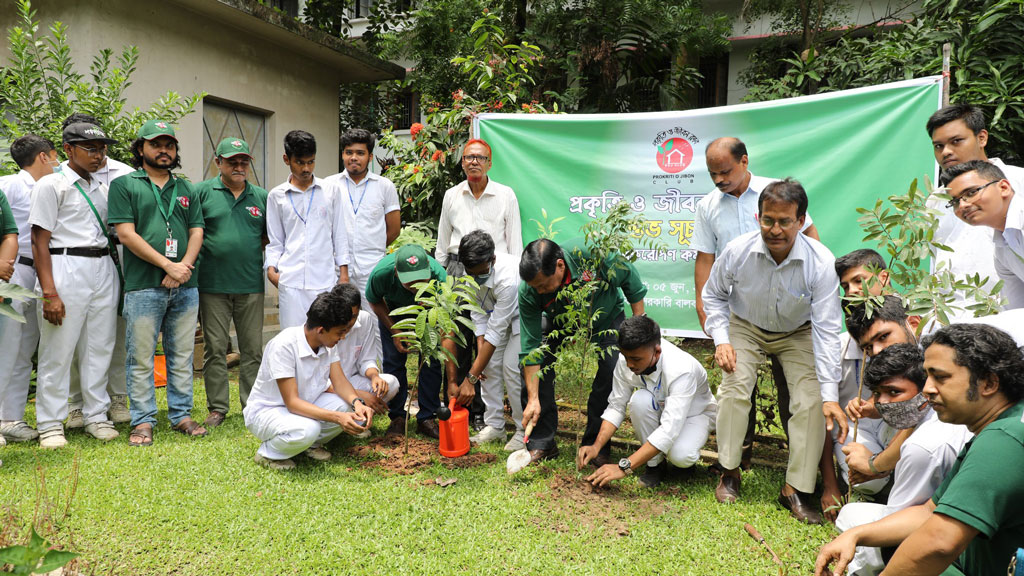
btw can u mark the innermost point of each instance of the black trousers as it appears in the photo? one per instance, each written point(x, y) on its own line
point(783, 404)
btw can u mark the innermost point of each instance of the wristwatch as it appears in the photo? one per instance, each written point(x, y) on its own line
point(472, 379)
point(626, 466)
point(358, 400)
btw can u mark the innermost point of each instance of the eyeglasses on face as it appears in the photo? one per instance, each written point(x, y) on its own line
point(954, 203)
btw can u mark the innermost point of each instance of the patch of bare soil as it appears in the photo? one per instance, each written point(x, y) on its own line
point(469, 460)
point(571, 502)
point(388, 454)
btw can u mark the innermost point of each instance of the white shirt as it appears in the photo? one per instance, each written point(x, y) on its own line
point(360, 349)
point(747, 282)
point(288, 355)
point(18, 188)
point(722, 217)
point(1008, 254)
point(59, 207)
point(925, 458)
point(110, 171)
point(679, 385)
point(495, 212)
point(499, 298)
point(1009, 321)
point(367, 203)
point(852, 364)
point(308, 234)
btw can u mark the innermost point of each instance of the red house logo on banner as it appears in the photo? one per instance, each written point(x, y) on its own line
point(674, 155)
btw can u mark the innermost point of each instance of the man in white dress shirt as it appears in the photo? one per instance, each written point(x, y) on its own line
point(478, 203)
point(359, 352)
point(36, 157)
point(776, 291)
point(308, 229)
point(373, 206)
point(670, 406)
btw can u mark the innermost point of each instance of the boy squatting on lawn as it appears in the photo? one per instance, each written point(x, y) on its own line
point(301, 398)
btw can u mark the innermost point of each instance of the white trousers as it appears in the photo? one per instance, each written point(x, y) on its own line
point(503, 377)
point(116, 383)
point(360, 382)
point(866, 561)
point(285, 434)
point(88, 287)
point(18, 343)
point(359, 281)
point(869, 433)
point(685, 451)
point(293, 303)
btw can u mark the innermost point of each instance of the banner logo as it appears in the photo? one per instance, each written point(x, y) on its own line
point(674, 155)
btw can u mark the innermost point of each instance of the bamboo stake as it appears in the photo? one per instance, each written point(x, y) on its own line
point(947, 49)
point(856, 423)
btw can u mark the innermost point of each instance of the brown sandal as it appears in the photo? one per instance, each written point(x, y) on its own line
point(190, 427)
point(144, 431)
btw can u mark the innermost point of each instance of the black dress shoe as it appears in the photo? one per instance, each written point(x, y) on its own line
point(728, 489)
point(545, 454)
point(428, 427)
point(397, 426)
point(478, 422)
point(799, 505)
point(652, 475)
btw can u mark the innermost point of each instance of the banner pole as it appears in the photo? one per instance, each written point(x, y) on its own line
point(947, 48)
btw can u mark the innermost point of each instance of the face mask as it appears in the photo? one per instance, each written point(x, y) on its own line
point(56, 167)
point(481, 278)
point(902, 415)
point(654, 366)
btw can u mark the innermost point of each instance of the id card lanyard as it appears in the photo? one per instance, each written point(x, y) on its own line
point(654, 393)
point(291, 198)
point(171, 245)
point(365, 185)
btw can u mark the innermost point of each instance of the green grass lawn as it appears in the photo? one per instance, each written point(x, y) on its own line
point(203, 507)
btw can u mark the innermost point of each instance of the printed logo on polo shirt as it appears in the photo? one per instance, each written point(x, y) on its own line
point(254, 211)
point(183, 201)
point(587, 276)
point(412, 260)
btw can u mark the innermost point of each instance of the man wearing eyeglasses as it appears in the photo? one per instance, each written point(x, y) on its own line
point(775, 291)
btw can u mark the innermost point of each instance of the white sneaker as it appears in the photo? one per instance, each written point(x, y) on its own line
point(516, 443)
point(118, 412)
point(102, 431)
point(487, 434)
point(18, 431)
point(286, 464)
point(75, 419)
point(318, 453)
point(52, 438)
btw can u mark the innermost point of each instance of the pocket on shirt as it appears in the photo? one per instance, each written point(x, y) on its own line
point(793, 303)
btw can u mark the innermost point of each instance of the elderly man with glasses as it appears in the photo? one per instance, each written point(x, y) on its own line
point(775, 291)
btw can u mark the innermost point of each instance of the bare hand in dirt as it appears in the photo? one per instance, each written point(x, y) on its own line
point(858, 409)
point(373, 401)
point(169, 282)
point(531, 412)
point(840, 551)
point(585, 454)
point(726, 357)
point(178, 271)
point(273, 275)
point(6, 270)
point(606, 474)
point(857, 457)
point(399, 345)
point(53, 310)
point(831, 502)
point(834, 417)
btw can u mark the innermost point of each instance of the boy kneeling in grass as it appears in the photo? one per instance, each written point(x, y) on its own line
point(301, 398)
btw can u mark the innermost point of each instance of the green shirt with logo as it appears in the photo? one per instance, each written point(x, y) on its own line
point(132, 200)
point(383, 284)
point(7, 223)
point(231, 259)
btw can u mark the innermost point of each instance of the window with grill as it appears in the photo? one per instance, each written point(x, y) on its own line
point(222, 120)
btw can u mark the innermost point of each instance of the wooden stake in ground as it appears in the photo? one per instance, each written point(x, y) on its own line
point(947, 48)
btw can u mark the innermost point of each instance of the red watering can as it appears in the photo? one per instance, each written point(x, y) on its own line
point(454, 430)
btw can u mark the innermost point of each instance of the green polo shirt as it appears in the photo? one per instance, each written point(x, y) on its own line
point(132, 201)
point(383, 285)
point(7, 223)
point(624, 281)
point(231, 259)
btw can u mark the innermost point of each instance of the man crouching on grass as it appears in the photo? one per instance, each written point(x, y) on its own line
point(301, 398)
point(670, 405)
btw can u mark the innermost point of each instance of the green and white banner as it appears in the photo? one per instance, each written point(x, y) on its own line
point(847, 149)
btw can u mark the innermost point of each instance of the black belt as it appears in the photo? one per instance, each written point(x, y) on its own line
point(26, 261)
point(84, 252)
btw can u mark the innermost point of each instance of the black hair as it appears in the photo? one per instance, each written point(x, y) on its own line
point(891, 310)
point(347, 295)
point(137, 154)
point(971, 115)
point(637, 332)
point(299, 144)
point(357, 136)
point(328, 311)
point(865, 257)
point(737, 149)
point(78, 117)
point(25, 149)
point(541, 255)
point(787, 191)
point(897, 361)
point(986, 170)
point(476, 248)
point(985, 351)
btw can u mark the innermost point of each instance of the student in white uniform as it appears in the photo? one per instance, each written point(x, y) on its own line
point(359, 352)
point(301, 398)
point(896, 378)
point(670, 406)
point(79, 284)
point(36, 157)
point(496, 366)
point(309, 249)
point(372, 204)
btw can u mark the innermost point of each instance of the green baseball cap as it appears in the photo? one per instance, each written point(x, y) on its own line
point(230, 147)
point(411, 264)
point(156, 128)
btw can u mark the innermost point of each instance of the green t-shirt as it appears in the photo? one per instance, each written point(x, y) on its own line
point(383, 284)
point(621, 279)
point(231, 259)
point(132, 201)
point(985, 490)
point(7, 223)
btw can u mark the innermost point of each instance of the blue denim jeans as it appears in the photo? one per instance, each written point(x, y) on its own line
point(429, 391)
point(148, 312)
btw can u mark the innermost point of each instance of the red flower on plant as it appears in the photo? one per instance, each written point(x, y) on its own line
point(415, 169)
point(458, 95)
point(435, 155)
point(415, 129)
point(408, 199)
